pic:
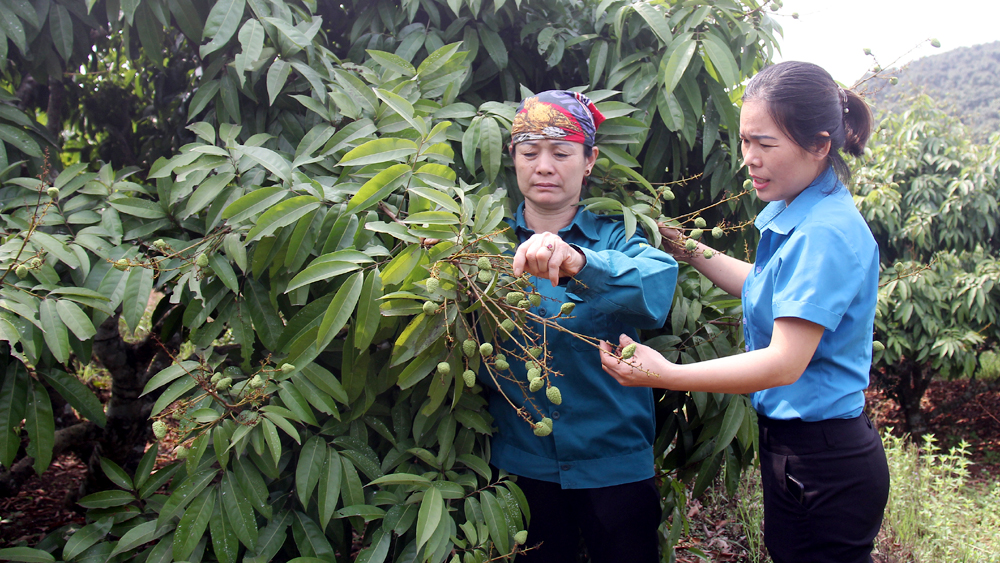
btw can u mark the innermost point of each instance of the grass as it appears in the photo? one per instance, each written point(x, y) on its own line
point(934, 513)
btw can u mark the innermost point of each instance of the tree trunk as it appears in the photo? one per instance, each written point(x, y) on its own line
point(910, 383)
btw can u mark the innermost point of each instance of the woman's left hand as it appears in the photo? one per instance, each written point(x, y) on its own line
point(546, 255)
point(643, 369)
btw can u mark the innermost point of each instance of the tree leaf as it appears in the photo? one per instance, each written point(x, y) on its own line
point(494, 46)
point(678, 62)
point(277, 75)
point(40, 426)
point(75, 319)
point(722, 59)
point(13, 401)
point(20, 140)
point(139, 535)
point(491, 147)
point(282, 214)
point(379, 150)
point(61, 27)
point(329, 487)
point(429, 516)
point(225, 545)
point(27, 554)
point(369, 316)
point(106, 499)
point(312, 456)
point(320, 272)
point(402, 107)
point(54, 331)
point(86, 536)
point(221, 24)
point(380, 186)
point(206, 193)
point(495, 521)
point(138, 207)
point(251, 38)
point(269, 159)
point(656, 20)
point(731, 422)
point(191, 528)
point(239, 512)
point(136, 297)
point(340, 309)
point(253, 203)
point(76, 394)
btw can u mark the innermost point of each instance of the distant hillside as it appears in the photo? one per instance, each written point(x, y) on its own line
point(965, 81)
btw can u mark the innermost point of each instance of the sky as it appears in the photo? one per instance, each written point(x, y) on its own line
point(834, 33)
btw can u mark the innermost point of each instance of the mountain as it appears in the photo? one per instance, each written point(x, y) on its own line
point(964, 81)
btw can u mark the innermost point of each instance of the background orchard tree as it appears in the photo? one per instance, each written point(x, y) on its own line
point(930, 196)
point(292, 178)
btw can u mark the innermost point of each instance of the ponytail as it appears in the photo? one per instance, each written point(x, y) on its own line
point(858, 123)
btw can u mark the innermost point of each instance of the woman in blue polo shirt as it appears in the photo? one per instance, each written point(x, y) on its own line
point(592, 477)
point(809, 306)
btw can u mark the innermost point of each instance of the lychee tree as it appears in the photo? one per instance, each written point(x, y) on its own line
point(329, 240)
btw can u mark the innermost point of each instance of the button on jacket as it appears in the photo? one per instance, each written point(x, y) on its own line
point(602, 432)
point(817, 260)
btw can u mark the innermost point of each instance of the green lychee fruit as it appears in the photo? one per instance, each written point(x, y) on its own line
point(484, 276)
point(256, 382)
point(877, 346)
point(535, 351)
point(181, 452)
point(469, 348)
point(469, 377)
point(935, 43)
point(699, 222)
point(521, 537)
point(485, 348)
point(216, 377)
point(536, 384)
point(668, 195)
point(629, 351)
point(528, 366)
point(484, 263)
point(35, 263)
point(747, 184)
point(534, 373)
point(224, 383)
point(535, 299)
point(541, 429)
point(554, 395)
point(514, 297)
point(21, 271)
point(444, 368)
point(53, 193)
point(501, 365)
point(524, 304)
point(430, 308)
point(159, 429)
point(708, 253)
point(894, 81)
point(287, 368)
point(202, 260)
point(567, 308)
point(121, 264)
point(690, 244)
point(696, 234)
point(433, 284)
point(159, 244)
point(795, 15)
point(868, 51)
point(717, 232)
point(509, 326)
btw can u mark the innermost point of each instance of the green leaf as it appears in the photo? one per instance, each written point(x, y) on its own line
point(40, 427)
point(310, 538)
point(277, 75)
point(169, 374)
point(722, 59)
point(380, 186)
point(496, 523)
point(27, 554)
point(139, 535)
point(678, 62)
point(402, 479)
point(176, 390)
point(494, 46)
point(253, 203)
point(21, 140)
point(185, 493)
point(340, 309)
point(54, 331)
point(238, 510)
point(13, 401)
point(731, 422)
point(86, 537)
point(329, 487)
point(291, 33)
point(224, 541)
point(206, 193)
point(61, 28)
point(438, 59)
point(369, 316)
point(283, 214)
point(251, 38)
point(320, 272)
point(136, 297)
point(75, 319)
point(138, 207)
point(221, 24)
point(429, 516)
point(492, 148)
point(116, 474)
point(312, 456)
point(656, 20)
point(392, 62)
point(76, 394)
point(402, 107)
point(282, 422)
point(56, 248)
point(269, 159)
point(379, 150)
point(106, 499)
point(271, 538)
point(191, 528)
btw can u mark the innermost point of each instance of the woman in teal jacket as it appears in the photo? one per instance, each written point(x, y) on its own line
point(594, 472)
point(809, 306)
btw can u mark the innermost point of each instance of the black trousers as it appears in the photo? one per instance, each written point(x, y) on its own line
point(619, 523)
point(825, 488)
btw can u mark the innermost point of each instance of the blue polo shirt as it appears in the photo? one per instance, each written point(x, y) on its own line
point(817, 260)
point(602, 432)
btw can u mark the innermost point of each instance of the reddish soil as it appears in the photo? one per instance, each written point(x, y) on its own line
point(961, 411)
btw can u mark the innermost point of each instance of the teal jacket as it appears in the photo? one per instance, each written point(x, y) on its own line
point(602, 432)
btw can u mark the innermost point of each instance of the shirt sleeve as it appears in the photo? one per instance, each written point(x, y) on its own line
point(819, 276)
point(630, 279)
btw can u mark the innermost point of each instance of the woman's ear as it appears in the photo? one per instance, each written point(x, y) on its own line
point(823, 143)
point(589, 165)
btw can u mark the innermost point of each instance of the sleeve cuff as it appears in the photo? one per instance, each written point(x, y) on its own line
point(807, 311)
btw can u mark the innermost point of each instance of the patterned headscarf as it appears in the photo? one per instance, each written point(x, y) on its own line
point(556, 114)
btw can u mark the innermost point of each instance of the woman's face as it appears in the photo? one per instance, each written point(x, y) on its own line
point(779, 168)
point(550, 173)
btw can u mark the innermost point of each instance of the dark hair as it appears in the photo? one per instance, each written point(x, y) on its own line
point(804, 101)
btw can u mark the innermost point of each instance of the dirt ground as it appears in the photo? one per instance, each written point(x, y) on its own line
point(962, 410)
